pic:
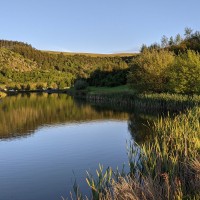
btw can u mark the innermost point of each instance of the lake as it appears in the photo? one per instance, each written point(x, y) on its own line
point(49, 140)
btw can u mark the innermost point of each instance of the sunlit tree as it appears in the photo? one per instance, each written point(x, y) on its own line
point(148, 72)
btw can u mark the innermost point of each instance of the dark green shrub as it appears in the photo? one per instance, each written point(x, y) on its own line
point(80, 85)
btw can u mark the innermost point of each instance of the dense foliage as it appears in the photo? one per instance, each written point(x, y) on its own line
point(184, 74)
point(162, 71)
point(108, 78)
point(148, 72)
point(80, 84)
point(55, 69)
point(14, 61)
point(191, 41)
point(177, 44)
point(173, 66)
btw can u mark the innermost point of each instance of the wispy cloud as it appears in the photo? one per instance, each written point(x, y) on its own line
point(132, 50)
point(60, 49)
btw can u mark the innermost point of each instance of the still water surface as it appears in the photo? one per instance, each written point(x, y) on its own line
point(48, 140)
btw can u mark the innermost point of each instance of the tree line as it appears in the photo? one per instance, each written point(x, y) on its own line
point(172, 66)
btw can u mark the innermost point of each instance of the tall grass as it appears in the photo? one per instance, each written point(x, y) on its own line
point(167, 167)
point(167, 163)
point(166, 101)
point(147, 102)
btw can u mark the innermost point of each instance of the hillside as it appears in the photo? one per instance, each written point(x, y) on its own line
point(57, 69)
point(68, 62)
point(15, 62)
point(21, 64)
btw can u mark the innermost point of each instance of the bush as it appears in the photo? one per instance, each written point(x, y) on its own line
point(80, 85)
point(62, 85)
point(2, 94)
point(41, 86)
point(108, 78)
point(184, 75)
point(148, 72)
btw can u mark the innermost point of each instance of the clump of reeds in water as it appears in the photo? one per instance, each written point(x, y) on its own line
point(148, 102)
point(166, 101)
point(167, 167)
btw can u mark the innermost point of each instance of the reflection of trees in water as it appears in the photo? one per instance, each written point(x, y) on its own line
point(22, 114)
point(140, 126)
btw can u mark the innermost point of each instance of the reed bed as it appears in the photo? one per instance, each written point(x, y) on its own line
point(147, 102)
point(166, 168)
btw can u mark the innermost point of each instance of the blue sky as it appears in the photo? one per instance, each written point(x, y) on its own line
point(98, 26)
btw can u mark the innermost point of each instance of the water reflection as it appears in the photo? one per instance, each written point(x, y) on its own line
point(22, 114)
point(69, 135)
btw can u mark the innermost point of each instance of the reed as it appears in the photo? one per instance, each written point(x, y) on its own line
point(170, 161)
point(167, 167)
point(146, 102)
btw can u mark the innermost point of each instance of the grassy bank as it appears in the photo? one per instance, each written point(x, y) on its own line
point(122, 95)
point(110, 90)
point(167, 167)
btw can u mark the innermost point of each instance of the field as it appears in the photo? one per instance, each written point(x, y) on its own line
point(92, 54)
point(109, 90)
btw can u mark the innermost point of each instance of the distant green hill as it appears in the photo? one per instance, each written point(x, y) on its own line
point(67, 61)
point(23, 66)
point(58, 69)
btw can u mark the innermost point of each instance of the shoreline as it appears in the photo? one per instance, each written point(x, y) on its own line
point(35, 91)
point(145, 102)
